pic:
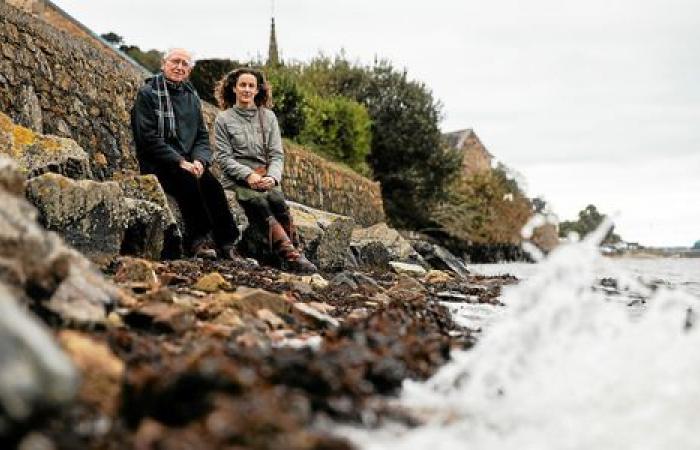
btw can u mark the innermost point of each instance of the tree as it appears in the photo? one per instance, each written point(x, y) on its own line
point(696, 246)
point(207, 72)
point(340, 129)
point(289, 102)
point(483, 209)
point(112, 38)
point(151, 60)
point(407, 155)
point(589, 219)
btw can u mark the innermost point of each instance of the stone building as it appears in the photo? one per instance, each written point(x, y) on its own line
point(475, 157)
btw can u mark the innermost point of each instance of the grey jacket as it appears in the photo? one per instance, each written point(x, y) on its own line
point(239, 144)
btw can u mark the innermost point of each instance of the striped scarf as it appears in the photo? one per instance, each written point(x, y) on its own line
point(165, 116)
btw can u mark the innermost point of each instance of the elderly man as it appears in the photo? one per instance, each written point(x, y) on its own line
point(172, 142)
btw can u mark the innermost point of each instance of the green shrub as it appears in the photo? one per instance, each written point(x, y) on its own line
point(289, 102)
point(338, 128)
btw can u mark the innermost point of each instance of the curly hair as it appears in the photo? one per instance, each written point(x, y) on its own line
point(226, 95)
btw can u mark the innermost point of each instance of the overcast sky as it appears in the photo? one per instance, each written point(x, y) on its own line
point(593, 102)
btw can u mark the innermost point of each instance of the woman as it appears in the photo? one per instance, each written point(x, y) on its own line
point(250, 155)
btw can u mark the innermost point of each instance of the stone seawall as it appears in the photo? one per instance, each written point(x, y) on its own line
point(313, 181)
point(55, 83)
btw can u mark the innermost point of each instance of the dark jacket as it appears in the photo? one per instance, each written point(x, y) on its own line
point(192, 140)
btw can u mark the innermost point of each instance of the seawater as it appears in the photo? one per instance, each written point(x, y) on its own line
point(566, 366)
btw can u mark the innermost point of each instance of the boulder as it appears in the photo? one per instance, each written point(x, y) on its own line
point(11, 179)
point(37, 154)
point(43, 271)
point(36, 375)
point(367, 245)
point(413, 270)
point(146, 224)
point(91, 216)
point(147, 188)
point(101, 371)
point(440, 258)
point(324, 238)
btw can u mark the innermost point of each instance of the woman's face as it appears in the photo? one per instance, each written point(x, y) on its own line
point(246, 89)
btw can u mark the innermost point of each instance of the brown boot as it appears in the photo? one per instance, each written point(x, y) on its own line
point(293, 259)
point(289, 228)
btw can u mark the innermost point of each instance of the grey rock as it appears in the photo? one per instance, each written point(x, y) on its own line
point(147, 188)
point(368, 242)
point(30, 111)
point(35, 374)
point(407, 269)
point(37, 154)
point(144, 234)
point(324, 238)
point(440, 258)
point(91, 216)
point(11, 179)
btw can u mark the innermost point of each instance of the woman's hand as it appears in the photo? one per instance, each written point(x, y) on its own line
point(253, 180)
point(266, 183)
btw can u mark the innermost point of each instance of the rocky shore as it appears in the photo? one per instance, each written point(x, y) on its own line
point(101, 350)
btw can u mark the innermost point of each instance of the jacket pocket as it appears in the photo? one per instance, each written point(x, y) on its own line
point(237, 137)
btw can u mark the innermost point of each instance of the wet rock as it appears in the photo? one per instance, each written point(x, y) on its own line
point(369, 241)
point(308, 314)
point(317, 281)
point(408, 269)
point(144, 233)
point(36, 154)
point(373, 254)
point(161, 318)
point(355, 280)
point(89, 215)
point(250, 300)
point(30, 112)
point(36, 375)
point(83, 296)
point(11, 179)
point(437, 277)
point(324, 238)
point(212, 282)
point(408, 283)
point(51, 277)
point(101, 371)
point(229, 319)
point(271, 319)
point(302, 287)
point(136, 273)
point(147, 188)
point(440, 258)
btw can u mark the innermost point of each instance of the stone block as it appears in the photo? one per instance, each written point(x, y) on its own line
point(36, 154)
point(91, 216)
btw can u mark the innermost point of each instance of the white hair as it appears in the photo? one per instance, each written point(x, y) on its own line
point(172, 50)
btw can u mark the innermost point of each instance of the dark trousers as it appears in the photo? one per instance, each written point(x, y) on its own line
point(203, 205)
point(269, 204)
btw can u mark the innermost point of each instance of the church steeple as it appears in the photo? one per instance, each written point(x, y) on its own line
point(272, 53)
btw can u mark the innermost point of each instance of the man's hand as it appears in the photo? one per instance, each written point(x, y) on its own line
point(195, 168)
point(198, 168)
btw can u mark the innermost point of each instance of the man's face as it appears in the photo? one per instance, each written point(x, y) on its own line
point(177, 66)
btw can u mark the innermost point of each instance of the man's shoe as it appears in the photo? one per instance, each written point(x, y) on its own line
point(200, 250)
point(229, 252)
